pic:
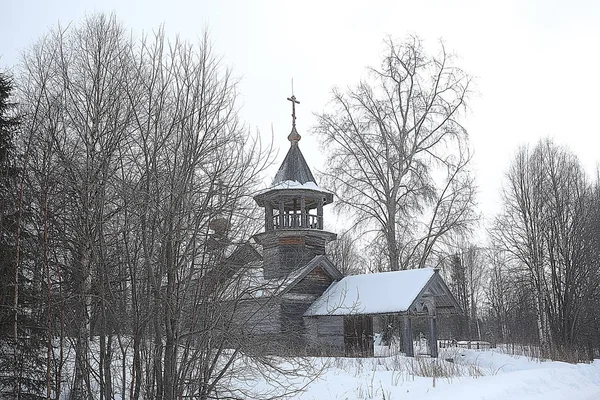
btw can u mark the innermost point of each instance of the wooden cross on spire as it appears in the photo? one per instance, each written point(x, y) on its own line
point(294, 102)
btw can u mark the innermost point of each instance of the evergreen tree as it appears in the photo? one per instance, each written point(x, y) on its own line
point(21, 359)
point(8, 215)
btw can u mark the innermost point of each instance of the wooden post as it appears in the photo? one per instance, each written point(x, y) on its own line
point(294, 215)
point(268, 216)
point(433, 347)
point(407, 337)
point(303, 219)
point(281, 216)
point(320, 213)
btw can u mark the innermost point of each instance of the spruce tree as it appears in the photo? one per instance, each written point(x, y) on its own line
point(21, 354)
point(8, 217)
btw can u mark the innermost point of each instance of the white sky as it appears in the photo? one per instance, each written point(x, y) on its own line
point(536, 62)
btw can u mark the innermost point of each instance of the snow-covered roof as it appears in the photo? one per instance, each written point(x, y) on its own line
point(381, 293)
point(294, 185)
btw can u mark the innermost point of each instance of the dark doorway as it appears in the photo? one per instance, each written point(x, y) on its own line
point(358, 336)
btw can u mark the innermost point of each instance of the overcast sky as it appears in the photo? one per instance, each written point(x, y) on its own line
point(536, 63)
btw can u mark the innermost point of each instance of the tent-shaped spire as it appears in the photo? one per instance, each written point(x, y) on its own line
point(294, 167)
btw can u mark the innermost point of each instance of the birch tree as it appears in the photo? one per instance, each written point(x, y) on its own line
point(397, 154)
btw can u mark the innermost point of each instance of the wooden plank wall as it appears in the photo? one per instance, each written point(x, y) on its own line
point(259, 316)
point(325, 334)
point(282, 258)
point(315, 283)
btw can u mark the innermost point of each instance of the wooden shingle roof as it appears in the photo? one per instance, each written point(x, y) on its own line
point(294, 167)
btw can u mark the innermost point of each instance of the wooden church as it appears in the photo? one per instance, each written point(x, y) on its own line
point(294, 294)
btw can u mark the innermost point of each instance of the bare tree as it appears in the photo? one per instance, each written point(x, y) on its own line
point(186, 183)
point(589, 326)
point(499, 293)
point(42, 121)
point(544, 225)
point(519, 229)
point(87, 65)
point(345, 254)
point(397, 154)
point(464, 266)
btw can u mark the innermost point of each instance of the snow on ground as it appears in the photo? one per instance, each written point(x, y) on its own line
point(474, 374)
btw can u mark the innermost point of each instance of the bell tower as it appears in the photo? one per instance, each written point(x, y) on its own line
point(293, 205)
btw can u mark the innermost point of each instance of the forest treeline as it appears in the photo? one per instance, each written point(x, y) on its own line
point(126, 182)
point(536, 281)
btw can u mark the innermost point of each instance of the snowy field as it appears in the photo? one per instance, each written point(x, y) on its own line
point(473, 374)
point(460, 374)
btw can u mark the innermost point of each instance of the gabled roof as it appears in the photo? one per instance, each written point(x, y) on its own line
point(294, 167)
point(318, 261)
point(398, 292)
point(242, 254)
point(249, 281)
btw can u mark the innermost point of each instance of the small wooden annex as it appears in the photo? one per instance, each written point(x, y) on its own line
point(356, 299)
